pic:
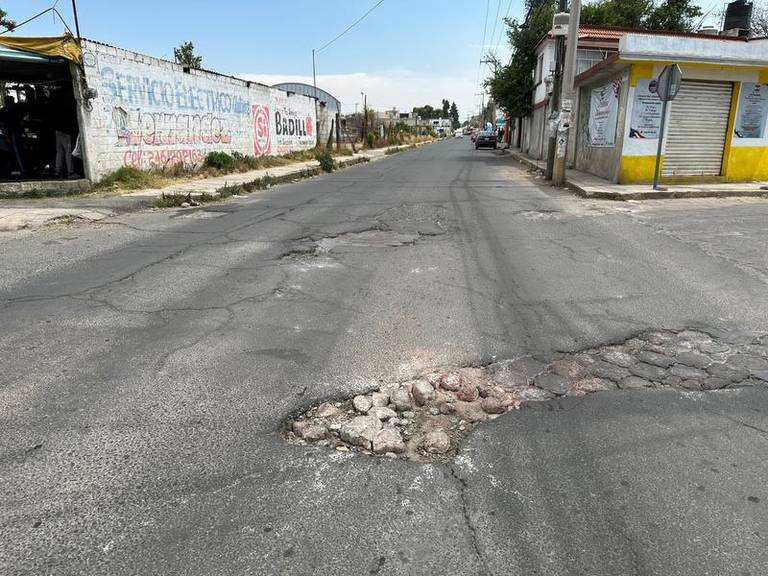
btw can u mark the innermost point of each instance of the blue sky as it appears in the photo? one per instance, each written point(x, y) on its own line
point(406, 53)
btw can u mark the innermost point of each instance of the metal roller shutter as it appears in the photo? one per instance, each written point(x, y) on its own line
point(697, 129)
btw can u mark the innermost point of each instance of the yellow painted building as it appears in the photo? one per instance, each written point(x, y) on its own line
point(716, 129)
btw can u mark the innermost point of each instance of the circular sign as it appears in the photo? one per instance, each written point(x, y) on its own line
point(262, 143)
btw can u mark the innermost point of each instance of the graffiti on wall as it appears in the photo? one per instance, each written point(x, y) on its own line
point(159, 119)
point(151, 114)
point(134, 128)
point(162, 159)
point(149, 92)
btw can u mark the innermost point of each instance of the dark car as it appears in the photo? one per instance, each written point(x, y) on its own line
point(486, 139)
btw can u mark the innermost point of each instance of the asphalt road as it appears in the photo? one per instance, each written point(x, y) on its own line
point(150, 362)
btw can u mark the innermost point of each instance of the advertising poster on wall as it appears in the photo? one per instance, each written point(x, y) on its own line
point(293, 123)
point(753, 110)
point(604, 115)
point(646, 111)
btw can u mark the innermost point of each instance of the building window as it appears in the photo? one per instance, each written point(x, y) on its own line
point(539, 70)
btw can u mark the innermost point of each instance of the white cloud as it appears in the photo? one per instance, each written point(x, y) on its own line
point(386, 90)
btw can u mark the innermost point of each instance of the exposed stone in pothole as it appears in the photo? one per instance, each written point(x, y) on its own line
point(310, 248)
point(427, 418)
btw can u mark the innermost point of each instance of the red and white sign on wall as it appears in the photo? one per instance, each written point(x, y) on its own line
point(262, 140)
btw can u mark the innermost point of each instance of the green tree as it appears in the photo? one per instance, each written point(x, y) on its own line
point(446, 109)
point(428, 111)
point(622, 13)
point(6, 22)
point(511, 85)
point(185, 55)
point(677, 15)
point(454, 113)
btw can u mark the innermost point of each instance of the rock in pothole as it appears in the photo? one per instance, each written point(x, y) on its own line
point(426, 418)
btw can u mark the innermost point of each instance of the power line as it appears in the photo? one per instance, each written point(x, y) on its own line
point(355, 23)
point(501, 33)
point(482, 46)
point(495, 21)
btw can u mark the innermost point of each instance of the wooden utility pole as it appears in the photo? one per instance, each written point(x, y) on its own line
point(557, 87)
point(566, 106)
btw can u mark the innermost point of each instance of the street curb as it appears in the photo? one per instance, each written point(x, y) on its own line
point(583, 192)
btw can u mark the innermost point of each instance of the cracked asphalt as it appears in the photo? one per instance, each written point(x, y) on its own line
point(150, 361)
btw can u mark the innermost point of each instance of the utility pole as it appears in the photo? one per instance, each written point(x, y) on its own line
point(317, 118)
point(566, 106)
point(365, 117)
point(482, 109)
point(557, 87)
point(77, 22)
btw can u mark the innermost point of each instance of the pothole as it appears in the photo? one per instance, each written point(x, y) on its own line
point(367, 239)
point(428, 417)
point(315, 252)
point(539, 214)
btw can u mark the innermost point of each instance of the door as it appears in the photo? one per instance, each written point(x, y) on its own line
point(698, 126)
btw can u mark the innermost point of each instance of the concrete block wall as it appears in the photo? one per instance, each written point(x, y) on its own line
point(151, 114)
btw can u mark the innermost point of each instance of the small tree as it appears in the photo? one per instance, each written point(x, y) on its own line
point(454, 113)
point(622, 13)
point(446, 109)
point(760, 19)
point(6, 22)
point(675, 15)
point(185, 55)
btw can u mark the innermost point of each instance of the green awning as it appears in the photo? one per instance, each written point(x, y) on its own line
point(14, 55)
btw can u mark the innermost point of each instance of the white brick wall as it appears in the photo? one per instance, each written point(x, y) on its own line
point(149, 113)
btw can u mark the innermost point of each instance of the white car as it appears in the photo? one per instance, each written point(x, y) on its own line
point(458, 134)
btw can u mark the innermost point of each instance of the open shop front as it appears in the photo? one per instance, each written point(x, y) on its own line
point(38, 116)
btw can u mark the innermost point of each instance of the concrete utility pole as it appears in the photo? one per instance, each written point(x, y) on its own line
point(566, 106)
point(557, 87)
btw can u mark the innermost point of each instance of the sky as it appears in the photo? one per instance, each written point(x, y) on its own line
point(406, 53)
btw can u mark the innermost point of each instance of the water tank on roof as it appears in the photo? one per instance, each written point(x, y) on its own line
point(738, 16)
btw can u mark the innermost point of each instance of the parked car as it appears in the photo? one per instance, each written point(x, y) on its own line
point(486, 139)
point(458, 134)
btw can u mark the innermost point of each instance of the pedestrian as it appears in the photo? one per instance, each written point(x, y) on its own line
point(65, 131)
point(11, 121)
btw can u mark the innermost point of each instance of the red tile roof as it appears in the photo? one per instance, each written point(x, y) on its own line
point(612, 33)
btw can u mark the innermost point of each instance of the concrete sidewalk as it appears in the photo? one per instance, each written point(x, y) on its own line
point(591, 186)
point(20, 213)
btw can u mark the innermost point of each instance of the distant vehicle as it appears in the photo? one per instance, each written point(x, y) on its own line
point(467, 130)
point(458, 134)
point(486, 139)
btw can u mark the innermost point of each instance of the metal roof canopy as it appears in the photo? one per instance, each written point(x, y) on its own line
point(14, 55)
point(30, 68)
point(309, 90)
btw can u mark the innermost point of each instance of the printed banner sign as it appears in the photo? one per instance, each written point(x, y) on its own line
point(753, 109)
point(604, 115)
point(646, 111)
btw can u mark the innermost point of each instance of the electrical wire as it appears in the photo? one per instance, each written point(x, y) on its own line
point(482, 46)
point(495, 21)
point(355, 23)
point(501, 32)
point(52, 9)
